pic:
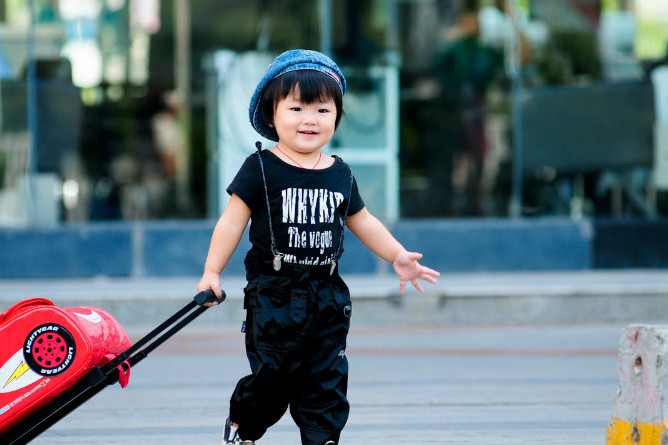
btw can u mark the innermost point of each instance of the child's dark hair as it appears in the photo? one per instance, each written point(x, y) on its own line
point(314, 86)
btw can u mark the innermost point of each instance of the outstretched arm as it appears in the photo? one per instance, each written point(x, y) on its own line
point(374, 235)
point(225, 239)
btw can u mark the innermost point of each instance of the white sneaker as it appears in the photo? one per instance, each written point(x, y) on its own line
point(231, 435)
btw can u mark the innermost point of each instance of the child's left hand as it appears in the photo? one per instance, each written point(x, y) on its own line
point(408, 269)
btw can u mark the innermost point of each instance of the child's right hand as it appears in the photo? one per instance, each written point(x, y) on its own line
point(210, 280)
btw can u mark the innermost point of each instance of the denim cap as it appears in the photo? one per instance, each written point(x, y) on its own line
point(293, 60)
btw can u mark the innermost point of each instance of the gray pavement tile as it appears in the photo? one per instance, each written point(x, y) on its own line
point(478, 385)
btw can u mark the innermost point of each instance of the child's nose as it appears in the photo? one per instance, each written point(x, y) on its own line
point(310, 116)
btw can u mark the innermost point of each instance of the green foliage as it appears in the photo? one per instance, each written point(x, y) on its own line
point(571, 56)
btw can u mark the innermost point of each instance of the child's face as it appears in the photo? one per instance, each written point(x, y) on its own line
point(304, 128)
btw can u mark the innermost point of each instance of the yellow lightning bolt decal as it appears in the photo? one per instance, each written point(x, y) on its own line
point(20, 370)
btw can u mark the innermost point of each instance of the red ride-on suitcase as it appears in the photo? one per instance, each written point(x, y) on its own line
point(45, 349)
point(53, 359)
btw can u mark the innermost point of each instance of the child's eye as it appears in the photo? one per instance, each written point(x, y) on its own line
point(296, 108)
point(323, 110)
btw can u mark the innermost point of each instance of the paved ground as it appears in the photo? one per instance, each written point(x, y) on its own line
point(505, 358)
point(437, 385)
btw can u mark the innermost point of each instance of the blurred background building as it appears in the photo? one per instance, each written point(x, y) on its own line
point(133, 110)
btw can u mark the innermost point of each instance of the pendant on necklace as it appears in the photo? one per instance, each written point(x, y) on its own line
point(277, 262)
point(331, 269)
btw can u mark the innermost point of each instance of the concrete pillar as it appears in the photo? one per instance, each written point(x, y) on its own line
point(639, 410)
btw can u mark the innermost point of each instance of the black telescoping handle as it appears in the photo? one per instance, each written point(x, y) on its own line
point(200, 299)
point(100, 377)
point(135, 353)
point(207, 296)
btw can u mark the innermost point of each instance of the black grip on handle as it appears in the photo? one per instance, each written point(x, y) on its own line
point(207, 296)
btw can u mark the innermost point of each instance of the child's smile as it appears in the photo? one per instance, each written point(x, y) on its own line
point(303, 129)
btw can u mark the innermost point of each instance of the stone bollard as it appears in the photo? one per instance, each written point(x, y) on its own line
point(640, 408)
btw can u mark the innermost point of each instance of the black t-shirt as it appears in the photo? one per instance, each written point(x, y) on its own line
point(307, 207)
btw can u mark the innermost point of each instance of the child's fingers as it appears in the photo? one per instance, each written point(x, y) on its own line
point(434, 273)
point(402, 286)
point(428, 271)
point(414, 256)
point(429, 278)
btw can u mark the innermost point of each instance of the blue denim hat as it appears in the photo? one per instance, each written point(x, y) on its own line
point(293, 60)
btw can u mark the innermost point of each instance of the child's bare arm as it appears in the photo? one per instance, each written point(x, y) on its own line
point(374, 235)
point(225, 239)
